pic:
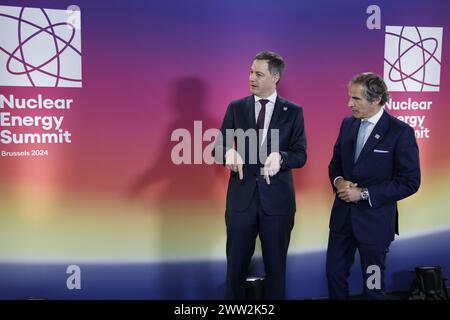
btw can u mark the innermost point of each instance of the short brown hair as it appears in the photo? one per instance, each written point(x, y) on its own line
point(274, 60)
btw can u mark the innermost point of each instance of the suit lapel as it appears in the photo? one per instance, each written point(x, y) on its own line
point(250, 105)
point(273, 120)
point(276, 113)
point(353, 137)
point(376, 136)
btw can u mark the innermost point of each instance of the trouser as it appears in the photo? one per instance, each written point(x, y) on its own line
point(274, 232)
point(341, 251)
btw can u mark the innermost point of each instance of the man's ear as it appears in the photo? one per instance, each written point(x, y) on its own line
point(377, 100)
point(276, 77)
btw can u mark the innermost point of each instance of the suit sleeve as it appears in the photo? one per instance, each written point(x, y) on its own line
point(295, 157)
point(224, 140)
point(406, 179)
point(335, 166)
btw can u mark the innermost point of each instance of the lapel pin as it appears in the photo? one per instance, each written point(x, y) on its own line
point(377, 136)
point(285, 108)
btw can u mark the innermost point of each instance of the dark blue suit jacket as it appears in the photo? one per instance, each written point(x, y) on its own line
point(388, 166)
point(278, 198)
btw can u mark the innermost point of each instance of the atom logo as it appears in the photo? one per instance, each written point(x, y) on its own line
point(39, 47)
point(412, 58)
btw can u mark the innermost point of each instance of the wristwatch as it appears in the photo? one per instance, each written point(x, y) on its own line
point(364, 194)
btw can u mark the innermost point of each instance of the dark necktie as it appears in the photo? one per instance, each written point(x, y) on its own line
point(262, 114)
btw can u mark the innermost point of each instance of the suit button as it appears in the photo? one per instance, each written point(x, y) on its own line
point(254, 174)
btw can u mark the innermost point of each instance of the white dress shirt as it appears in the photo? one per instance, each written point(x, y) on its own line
point(373, 120)
point(269, 111)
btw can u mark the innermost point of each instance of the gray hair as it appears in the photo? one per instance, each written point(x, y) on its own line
point(373, 87)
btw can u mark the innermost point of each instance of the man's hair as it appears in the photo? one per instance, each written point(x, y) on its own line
point(373, 87)
point(274, 60)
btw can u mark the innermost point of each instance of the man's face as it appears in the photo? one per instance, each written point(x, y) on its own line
point(262, 83)
point(361, 107)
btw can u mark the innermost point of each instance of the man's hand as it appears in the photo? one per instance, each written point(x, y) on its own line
point(341, 183)
point(347, 191)
point(234, 162)
point(272, 166)
point(350, 194)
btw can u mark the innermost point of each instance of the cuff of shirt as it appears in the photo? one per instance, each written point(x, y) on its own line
point(370, 203)
point(334, 181)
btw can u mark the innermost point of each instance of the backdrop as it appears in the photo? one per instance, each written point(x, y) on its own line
point(98, 98)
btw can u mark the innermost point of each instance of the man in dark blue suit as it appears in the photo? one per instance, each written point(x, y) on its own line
point(375, 164)
point(262, 138)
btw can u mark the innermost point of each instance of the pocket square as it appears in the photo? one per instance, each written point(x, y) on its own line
point(380, 151)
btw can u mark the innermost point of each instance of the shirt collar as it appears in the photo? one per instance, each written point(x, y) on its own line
point(272, 98)
point(374, 119)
